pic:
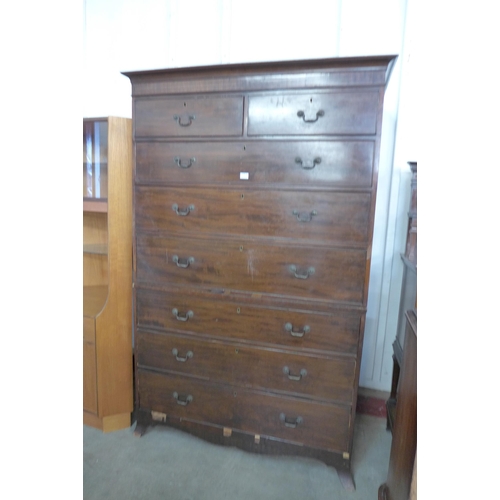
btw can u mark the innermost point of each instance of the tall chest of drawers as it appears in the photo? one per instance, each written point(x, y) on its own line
point(254, 199)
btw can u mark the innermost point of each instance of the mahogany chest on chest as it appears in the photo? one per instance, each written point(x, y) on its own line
point(254, 199)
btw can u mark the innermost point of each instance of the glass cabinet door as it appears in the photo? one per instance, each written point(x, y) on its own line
point(95, 159)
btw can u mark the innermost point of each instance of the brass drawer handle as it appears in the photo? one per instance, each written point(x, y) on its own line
point(306, 217)
point(292, 423)
point(178, 119)
point(301, 276)
point(189, 355)
point(180, 211)
point(179, 163)
point(184, 263)
point(308, 166)
point(301, 375)
point(302, 115)
point(294, 333)
point(183, 400)
point(186, 317)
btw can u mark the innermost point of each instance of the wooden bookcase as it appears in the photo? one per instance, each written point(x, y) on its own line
point(107, 273)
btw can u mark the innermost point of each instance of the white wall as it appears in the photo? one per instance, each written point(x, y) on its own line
point(121, 35)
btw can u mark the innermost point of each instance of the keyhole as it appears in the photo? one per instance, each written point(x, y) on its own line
point(184, 104)
point(310, 100)
point(244, 148)
point(242, 196)
point(238, 310)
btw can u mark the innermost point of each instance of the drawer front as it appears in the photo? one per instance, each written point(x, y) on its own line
point(224, 319)
point(324, 216)
point(320, 425)
point(330, 113)
point(322, 378)
point(298, 163)
point(241, 264)
point(188, 117)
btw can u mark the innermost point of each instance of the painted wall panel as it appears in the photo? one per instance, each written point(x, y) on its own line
point(265, 30)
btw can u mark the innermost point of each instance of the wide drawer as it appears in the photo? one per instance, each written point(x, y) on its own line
point(220, 317)
point(298, 163)
point(341, 112)
point(188, 117)
point(315, 424)
point(242, 264)
point(318, 377)
point(323, 216)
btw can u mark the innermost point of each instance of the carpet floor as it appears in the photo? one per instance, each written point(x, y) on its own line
point(167, 464)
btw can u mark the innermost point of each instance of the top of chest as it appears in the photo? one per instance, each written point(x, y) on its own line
point(268, 76)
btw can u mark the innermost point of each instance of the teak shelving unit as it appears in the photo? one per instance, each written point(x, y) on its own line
point(107, 273)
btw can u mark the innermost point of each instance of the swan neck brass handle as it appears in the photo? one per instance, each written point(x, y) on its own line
point(184, 263)
point(302, 115)
point(189, 355)
point(291, 422)
point(304, 217)
point(183, 400)
point(308, 166)
point(182, 212)
point(296, 378)
point(299, 275)
point(179, 163)
point(294, 333)
point(179, 121)
point(179, 317)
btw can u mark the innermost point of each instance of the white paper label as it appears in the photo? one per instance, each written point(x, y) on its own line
point(244, 176)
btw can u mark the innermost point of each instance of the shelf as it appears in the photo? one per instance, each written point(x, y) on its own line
point(99, 249)
point(95, 205)
point(94, 298)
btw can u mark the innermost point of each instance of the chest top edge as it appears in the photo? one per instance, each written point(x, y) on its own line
point(313, 73)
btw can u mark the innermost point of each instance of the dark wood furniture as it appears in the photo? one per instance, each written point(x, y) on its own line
point(404, 438)
point(408, 299)
point(255, 191)
point(107, 273)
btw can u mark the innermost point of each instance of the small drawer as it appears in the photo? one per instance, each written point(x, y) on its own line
point(342, 113)
point(241, 264)
point(317, 377)
point(176, 310)
point(279, 163)
point(188, 117)
point(337, 217)
point(315, 424)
